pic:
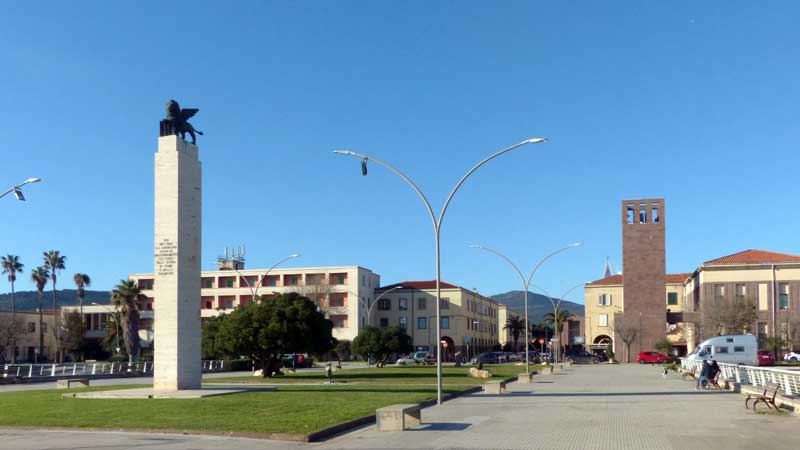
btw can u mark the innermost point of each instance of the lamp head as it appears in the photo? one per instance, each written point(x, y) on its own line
point(536, 141)
point(344, 152)
point(32, 180)
point(19, 195)
point(577, 244)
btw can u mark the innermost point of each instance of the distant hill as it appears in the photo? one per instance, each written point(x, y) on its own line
point(27, 300)
point(538, 305)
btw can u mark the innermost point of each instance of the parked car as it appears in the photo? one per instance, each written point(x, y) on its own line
point(652, 358)
point(485, 358)
point(581, 357)
point(419, 356)
point(734, 349)
point(792, 357)
point(765, 358)
point(406, 361)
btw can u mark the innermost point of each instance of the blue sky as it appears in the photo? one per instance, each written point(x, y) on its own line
point(696, 102)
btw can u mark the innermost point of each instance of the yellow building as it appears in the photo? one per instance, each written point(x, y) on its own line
point(504, 336)
point(604, 298)
point(28, 337)
point(469, 320)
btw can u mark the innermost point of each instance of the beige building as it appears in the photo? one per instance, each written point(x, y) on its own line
point(28, 338)
point(469, 320)
point(505, 336)
point(605, 297)
point(344, 292)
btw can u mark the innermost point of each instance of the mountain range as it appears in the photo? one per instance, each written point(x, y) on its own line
point(27, 300)
point(538, 304)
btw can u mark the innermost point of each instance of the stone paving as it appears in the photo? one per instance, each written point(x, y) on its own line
point(586, 407)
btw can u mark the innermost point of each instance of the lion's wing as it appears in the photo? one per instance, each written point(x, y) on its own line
point(189, 112)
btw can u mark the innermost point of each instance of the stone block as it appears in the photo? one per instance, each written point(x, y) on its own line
point(398, 417)
point(525, 378)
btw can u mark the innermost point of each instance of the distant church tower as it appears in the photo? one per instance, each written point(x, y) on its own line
point(608, 272)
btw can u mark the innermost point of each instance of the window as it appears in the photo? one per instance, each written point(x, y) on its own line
point(422, 303)
point(738, 349)
point(630, 214)
point(229, 304)
point(719, 291)
point(340, 279)
point(422, 323)
point(784, 296)
point(445, 304)
point(642, 216)
point(385, 304)
point(445, 322)
point(402, 304)
point(384, 322)
point(729, 340)
point(208, 304)
point(295, 280)
point(31, 327)
point(209, 283)
point(149, 285)
point(741, 292)
point(604, 300)
point(44, 327)
point(602, 320)
point(403, 322)
point(229, 283)
point(721, 350)
point(273, 281)
point(672, 298)
point(654, 214)
point(337, 301)
point(363, 280)
point(762, 330)
point(339, 321)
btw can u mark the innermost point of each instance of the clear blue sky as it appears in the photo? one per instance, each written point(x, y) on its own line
point(693, 101)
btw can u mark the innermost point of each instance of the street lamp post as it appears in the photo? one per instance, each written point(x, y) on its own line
point(525, 285)
point(437, 226)
point(115, 320)
point(254, 292)
point(17, 189)
point(556, 334)
point(369, 308)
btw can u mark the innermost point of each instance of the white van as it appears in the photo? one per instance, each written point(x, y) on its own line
point(733, 349)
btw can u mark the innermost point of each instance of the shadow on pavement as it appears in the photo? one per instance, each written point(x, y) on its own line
point(444, 426)
point(627, 394)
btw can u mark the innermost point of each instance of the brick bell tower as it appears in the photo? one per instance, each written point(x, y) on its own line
point(643, 271)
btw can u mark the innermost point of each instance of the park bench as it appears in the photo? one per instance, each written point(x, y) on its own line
point(494, 387)
point(72, 382)
point(689, 373)
point(398, 417)
point(767, 397)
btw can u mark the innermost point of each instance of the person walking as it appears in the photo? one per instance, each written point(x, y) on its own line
point(704, 376)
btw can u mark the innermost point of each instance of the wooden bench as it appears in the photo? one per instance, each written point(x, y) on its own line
point(72, 382)
point(398, 417)
point(686, 373)
point(767, 397)
point(494, 387)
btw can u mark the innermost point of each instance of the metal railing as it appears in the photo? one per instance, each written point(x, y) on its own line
point(92, 369)
point(788, 380)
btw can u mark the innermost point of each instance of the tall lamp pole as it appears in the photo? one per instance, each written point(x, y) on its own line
point(254, 292)
point(556, 304)
point(525, 286)
point(369, 308)
point(437, 226)
point(17, 189)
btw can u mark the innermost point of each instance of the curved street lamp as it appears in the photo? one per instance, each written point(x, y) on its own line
point(556, 334)
point(525, 285)
point(369, 308)
point(437, 227)
point(17, 191)
point(254, 292)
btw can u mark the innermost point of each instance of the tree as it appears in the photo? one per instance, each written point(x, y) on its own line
point(263, 331)
point(12, 267)
point(722, 315)
point(39, 277)
point(561, 314)
point(10, 328)
point(627, 329)
point(126, 297)
point(54, 261)
point(381, 343)
point(81, 281)
point(666, 347)
point(210, 345)
point(343, 349)
point(516, 326)
point(73, 342)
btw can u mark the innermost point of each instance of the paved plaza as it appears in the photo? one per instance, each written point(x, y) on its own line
point(586, 407)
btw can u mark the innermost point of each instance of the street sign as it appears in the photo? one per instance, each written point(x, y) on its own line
point(541, 341)
point(467, 339)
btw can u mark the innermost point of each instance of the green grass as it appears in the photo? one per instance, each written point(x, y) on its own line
point(290, 409)
point(390, 375)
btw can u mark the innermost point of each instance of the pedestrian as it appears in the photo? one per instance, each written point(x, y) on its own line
point(713, 371)
point(704, 376)
point(664, 372)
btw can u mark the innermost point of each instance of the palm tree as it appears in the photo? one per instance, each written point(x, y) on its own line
point(126, 297)
point(562, 316)
point(12, 267)
point(40, 276)
point(53, 261)
point(516, 326)
point(81, 280)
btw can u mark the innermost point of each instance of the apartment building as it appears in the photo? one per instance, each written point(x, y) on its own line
point(504, 313)
point(27, 338)
point(469, 321)
point(343, 292)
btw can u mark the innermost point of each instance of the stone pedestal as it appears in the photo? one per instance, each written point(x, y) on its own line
point(177, 364)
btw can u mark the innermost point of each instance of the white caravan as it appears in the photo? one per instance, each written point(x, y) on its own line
point(734, 349)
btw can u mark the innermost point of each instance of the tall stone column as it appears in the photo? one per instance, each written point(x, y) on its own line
point(177, 364)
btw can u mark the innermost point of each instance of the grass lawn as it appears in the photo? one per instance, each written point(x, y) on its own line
point(291, 409)
point(390, 375)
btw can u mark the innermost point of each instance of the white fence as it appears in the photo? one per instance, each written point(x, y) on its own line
point(93, 368)
point(789, 380)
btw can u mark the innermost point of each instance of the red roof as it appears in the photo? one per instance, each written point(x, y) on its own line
point(420, 285)
point(755, 257)
point(617, 279)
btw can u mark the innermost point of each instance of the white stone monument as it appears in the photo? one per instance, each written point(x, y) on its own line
point(176, 355)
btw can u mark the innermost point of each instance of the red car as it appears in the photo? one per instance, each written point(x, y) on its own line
point(652, 358)
point(765, 358)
